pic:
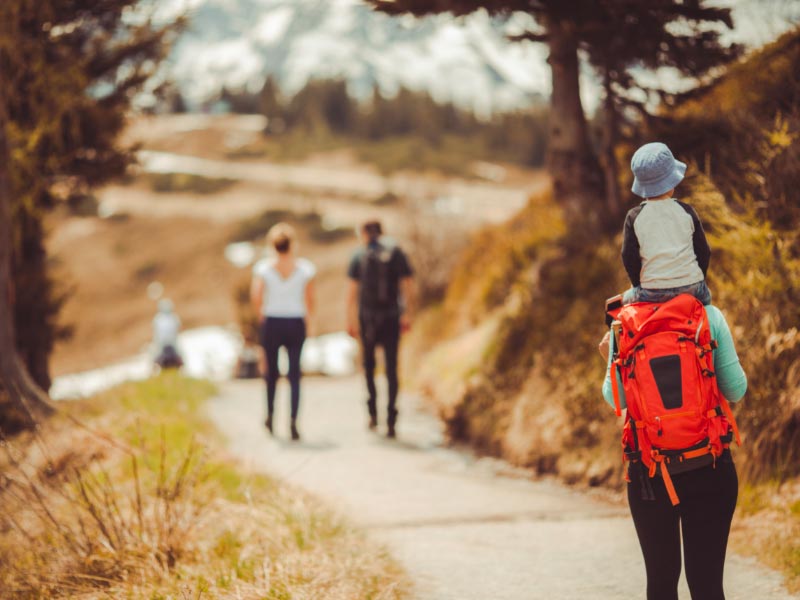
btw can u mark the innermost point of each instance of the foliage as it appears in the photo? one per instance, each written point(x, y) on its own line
point(754, 276)
point(501, 255)
point(69, 73)
point(549, 294)
point(643, 35)
point(187, 182)
point(134, 512)
point(743, 130)
point(407, 131)
point(311, 222)
point(616, 38)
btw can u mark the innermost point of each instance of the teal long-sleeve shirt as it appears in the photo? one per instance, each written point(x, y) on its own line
point(731, 378)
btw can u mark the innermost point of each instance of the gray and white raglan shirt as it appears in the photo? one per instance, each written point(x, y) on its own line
point(664, 245)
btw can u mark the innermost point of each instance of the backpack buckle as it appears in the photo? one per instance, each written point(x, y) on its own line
point(633, 455)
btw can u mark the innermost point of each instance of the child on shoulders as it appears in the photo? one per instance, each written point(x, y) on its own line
point(664, 247)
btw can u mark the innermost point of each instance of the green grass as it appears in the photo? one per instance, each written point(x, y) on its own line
point(187, 182)
point(312, 222)
point(132, 497)
point(449, 154)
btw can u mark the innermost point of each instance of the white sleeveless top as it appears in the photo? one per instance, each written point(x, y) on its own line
point(284, 298)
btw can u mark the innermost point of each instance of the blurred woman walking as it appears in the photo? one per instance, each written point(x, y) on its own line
point(282, 292)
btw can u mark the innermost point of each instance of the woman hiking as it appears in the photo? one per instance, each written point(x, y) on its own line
point(282, 291)
point(689, 502)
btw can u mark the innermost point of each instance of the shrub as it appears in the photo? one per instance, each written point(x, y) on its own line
point(187, 182)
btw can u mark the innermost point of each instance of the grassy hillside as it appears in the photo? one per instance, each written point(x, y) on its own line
point(518, 374)
point(129, 495)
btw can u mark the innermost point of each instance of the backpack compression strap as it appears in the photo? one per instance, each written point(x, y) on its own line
point(615, 387)
point(726, 408)
point(658, 461)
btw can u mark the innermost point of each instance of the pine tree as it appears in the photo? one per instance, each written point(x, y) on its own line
point(271, 104)
point(648, 35)
point(617, 35)
point(68, 72)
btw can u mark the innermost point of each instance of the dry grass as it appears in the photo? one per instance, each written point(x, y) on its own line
point(138, 504)
point(768, 527)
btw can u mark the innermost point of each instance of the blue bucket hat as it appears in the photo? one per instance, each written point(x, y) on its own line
point(655, 170)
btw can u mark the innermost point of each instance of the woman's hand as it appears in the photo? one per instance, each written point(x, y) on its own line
point(311, 330)
point(352, 329)
point(602, 347)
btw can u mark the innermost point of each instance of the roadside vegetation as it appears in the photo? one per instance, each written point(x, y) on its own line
point(186, 182)
point(408, 131)
point(767, 526)
point(519, 374)
point(129, 494)
point(312, 222)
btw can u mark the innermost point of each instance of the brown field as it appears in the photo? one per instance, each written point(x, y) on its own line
point(178, 237)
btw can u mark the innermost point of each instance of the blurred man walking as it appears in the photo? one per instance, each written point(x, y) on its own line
point(379, 308)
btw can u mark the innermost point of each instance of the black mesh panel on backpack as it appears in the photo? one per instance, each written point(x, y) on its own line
point(667, 374)
point(378, 290)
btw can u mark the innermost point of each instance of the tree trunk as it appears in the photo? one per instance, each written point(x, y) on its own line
point(609, 162)
point(24, 395)
point(37, 300)
point(576, 174)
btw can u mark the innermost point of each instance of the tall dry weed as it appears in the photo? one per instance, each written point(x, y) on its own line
point(78, 522)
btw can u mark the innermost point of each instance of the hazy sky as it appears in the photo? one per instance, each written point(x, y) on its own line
point(760, 21)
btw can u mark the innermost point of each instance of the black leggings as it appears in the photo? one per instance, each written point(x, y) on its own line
point(290, 333)
point(707, 501)
point(381, 330)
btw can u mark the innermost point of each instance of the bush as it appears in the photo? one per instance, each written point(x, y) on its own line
point(319, 229)
point(753, 276)
point(187, 182)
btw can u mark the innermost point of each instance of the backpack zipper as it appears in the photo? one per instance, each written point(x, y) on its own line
point(671, 416)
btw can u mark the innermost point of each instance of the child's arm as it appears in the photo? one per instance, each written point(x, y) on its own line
point(701, 249)
point(630, 249)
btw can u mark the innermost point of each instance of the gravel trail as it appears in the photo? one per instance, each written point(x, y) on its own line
point(463, 528)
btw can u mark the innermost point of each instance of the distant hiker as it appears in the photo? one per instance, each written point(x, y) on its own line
point(166, 326)
point(282, 292)
point(379, 308)
point(674, 367)
point(664, 248)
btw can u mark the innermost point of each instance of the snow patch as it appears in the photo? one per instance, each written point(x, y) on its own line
point(209, 353)
point(273, 26)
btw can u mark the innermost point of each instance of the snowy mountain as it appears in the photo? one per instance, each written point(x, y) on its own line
point(237, 43)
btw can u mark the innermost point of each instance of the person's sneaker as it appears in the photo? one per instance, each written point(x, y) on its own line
point(390, 432)
point(295, 433)
point(268, 424)
point(373, 423)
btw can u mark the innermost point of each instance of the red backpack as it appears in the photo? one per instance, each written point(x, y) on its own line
point(677, 419)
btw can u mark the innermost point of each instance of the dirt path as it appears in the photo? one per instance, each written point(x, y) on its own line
point(470, 199)
point(463, 528)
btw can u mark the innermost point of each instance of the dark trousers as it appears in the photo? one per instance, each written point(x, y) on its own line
point(707, 501)
point(381, 330)
point(290, 333)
